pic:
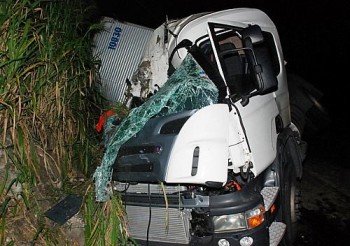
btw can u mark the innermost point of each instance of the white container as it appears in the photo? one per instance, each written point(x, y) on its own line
point(120, 48)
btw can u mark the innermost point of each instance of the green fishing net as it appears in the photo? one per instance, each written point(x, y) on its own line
point(187, 88)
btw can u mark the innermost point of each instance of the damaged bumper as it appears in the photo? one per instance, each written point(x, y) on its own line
point(178, 218)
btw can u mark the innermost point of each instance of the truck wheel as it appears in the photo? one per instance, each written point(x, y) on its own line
point(290, 203)
point(307, 112)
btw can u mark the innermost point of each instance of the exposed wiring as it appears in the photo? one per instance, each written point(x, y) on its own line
point(150, 213)
point(166, 207)
point(241, 122)
point(234, 183)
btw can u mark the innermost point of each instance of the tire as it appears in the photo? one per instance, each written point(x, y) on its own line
point(307, 112)
point(290, 203)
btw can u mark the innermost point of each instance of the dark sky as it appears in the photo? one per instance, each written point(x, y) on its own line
point(314, 34)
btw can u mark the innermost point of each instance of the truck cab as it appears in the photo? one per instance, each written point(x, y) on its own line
point(212, 156)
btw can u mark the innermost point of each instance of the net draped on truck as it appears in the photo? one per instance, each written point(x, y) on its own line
point(187, 88)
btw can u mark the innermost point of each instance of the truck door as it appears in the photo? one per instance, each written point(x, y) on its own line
point(255, 106)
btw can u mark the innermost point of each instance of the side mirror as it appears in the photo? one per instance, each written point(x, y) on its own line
point(259, 62)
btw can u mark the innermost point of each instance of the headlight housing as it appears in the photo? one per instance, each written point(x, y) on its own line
point(240, 221)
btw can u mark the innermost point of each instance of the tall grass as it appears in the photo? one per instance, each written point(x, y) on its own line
point(48, 109)
point(46, 80)
point(104, 222)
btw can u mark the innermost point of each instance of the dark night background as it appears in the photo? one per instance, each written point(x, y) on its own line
point(314, 37)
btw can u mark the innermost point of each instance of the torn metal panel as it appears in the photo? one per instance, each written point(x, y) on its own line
point(65, 209)
point(151, 72)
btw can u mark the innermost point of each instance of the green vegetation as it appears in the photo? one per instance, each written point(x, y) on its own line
point(48, 110)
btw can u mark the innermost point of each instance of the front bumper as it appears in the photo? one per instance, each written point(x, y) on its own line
point(182, 222)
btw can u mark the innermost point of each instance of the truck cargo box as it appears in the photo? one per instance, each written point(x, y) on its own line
point(119, 47)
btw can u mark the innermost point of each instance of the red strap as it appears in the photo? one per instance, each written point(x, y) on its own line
point(102, 119)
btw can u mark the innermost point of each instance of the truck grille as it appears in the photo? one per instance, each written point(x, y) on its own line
point(176, 229)
point(143, 188)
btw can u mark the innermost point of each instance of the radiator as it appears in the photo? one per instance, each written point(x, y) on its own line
point(175, 230)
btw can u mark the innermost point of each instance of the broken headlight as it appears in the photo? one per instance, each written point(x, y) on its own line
point(240, 221)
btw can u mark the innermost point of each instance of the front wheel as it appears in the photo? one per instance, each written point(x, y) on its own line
point(290, 203)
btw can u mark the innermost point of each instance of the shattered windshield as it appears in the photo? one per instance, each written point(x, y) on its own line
point(187, 88)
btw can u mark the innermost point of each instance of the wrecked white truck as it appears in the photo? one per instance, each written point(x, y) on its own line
point(211, 154)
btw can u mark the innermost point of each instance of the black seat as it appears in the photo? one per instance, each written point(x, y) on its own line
point(233, 64)
point(235, 70)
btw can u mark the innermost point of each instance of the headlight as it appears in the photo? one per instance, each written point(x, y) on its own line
point(231, 222)
point(240, 221)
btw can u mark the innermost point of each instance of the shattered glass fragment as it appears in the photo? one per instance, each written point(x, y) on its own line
point(187, 88)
